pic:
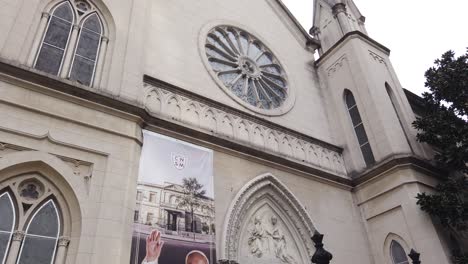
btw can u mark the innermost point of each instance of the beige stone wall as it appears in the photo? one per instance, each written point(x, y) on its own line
point(173, 53)
point(99, 152)
point(363, 67)
point(330, 207)
point(389, 210)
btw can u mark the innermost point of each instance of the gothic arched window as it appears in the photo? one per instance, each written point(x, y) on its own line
point(73, 42)
point(41, 236)
point(7, 224)
point(358, 126)
point(398, 253)
point(56, 39)
point(30, 231)
point(86, 53)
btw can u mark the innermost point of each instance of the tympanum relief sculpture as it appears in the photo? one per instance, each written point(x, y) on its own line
point(268, 242)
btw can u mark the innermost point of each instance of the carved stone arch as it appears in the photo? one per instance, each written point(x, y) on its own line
point(272, 141)
point(208, 119)
point(152, 100)
point(300, 152)
point(55, 173)
point(257, 138)
point(387, 243)
point(243, 130)
point(226, 125)
point(262, 197)
point(172, 107)
point(191, 113)
point(100, 8)
point(286, 147)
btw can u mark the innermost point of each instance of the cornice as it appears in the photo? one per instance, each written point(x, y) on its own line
point(349, 36)
point(147, 120)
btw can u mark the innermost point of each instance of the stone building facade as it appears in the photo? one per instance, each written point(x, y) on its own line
point(160, 206)
point(300, 144)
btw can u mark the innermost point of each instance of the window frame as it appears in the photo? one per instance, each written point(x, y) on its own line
point(13, 226)
point(78, 40)
point(372, 161)
point(31, 219)
point(51, 15)
point(392, 243)
point(100, 64)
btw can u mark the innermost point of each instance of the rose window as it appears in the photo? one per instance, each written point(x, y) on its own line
point(246, 67)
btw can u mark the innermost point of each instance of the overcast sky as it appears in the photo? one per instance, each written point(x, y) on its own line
point(416, 31)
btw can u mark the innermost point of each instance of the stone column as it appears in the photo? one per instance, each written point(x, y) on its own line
point(339, 10)
point(100, 61)
point(18, 237)
point(62, 250)
point(69, 52)
point(38, 39)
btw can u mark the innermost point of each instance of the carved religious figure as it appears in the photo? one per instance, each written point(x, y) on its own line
point(269, 241)
point(257, 238)
point(279, 242)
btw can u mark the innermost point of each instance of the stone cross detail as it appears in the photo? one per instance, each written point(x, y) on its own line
point(321, 256)
point(414, 256)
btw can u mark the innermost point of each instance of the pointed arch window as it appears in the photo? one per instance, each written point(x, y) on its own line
point(32, 222)
point(56, 38)
point(86, 53)
point(41, 237)
point(359, 129)
point(7, 224)
point(398, 254)
point(72, 42)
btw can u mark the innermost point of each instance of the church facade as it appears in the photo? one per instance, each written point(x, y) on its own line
point(300, 144)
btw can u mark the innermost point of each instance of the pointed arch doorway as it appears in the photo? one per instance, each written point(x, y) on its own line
point(267, 224)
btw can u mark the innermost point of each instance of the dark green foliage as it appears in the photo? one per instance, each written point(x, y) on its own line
point(445, 127)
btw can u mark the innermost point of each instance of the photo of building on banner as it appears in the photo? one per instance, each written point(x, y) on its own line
point(174, 213)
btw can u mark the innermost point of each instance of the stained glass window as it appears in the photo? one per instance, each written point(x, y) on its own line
point(247, 68)
point(7, 222)
point(41, 236)
point(56, 39)
point(87, 51)
point(398, 253)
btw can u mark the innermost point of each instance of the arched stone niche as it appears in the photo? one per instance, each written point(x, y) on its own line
point(267, 224)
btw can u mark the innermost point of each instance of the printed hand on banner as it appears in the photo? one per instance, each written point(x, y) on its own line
point(153, 246)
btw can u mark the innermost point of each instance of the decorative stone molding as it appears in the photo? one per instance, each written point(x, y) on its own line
point(18, 235)
point(336, 66)
point(377, 57)
point(338, 8)
point(202, 114)
point(80, 168)
point(63, 241)
point(6, 148)
point(265, 187)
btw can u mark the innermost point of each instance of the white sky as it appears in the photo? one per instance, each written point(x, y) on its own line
point(416, 31)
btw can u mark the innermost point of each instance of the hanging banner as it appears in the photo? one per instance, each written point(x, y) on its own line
point(174, 213)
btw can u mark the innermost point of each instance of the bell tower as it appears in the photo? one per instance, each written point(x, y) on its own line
point(367, 103)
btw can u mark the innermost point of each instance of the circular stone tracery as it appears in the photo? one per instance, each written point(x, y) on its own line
point(246, 67)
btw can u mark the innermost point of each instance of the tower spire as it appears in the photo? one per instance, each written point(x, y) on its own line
point(333, 19)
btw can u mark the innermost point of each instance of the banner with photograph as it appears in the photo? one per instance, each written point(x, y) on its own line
point(174, 213)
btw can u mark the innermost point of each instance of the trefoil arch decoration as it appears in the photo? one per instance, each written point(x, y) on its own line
point(245, 213)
